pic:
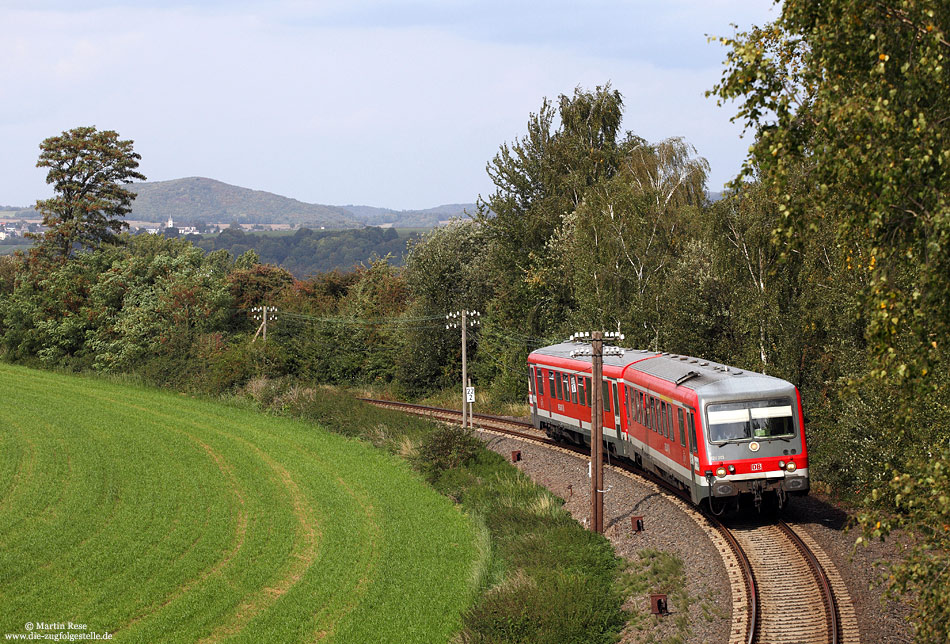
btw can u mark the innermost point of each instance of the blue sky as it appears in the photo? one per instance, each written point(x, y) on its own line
point(396, 104)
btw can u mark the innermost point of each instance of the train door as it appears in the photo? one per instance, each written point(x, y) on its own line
point(683, 450)
point(583, 409)
point(588, 388)
point(537, 382)
point(618, 418)
point(627, 410)
point(694, 462)
point(575, 402)
point(568, 395)
point(532, 396)
point(611, 416)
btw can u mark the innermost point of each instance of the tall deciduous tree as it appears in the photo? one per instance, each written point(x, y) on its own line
point(540, 179)
point(621, 240)
point(87, 169)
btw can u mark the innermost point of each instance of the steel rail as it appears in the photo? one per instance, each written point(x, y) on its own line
point(831, 606)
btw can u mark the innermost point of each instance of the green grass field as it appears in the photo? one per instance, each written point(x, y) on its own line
point(164, 518)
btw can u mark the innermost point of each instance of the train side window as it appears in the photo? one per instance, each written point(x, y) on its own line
point(574, 389)
point(551, 384)
point(616, 399)
point(531, 386)
point(679, 417)
point(540, 382)
point(605, 390)
point(581, 396)
point(587, 389)
point(670, 432)
point(655, 414)
point(566, 379)
point(640, 408)
point(560, 387)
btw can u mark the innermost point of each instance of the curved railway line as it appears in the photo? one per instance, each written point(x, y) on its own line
point(784, 588)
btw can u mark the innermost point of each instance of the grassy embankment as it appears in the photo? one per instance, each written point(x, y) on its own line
point(548, 579)
point(159, 517)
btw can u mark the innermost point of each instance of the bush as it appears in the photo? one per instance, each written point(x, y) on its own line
point(446, 447)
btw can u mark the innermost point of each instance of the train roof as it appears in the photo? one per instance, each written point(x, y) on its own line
point(702, 376)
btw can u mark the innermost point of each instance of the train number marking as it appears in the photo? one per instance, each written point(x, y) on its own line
point(560, 407)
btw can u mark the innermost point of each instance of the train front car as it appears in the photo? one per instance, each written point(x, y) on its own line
point(755, 440)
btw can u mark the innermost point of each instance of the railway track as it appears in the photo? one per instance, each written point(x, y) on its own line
point(785, 590)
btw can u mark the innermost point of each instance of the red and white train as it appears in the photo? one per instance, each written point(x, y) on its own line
point(716, 431)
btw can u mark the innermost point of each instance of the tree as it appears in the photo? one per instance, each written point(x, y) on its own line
point(861, 91)
point(86, 169)
point(540, 179)
point(620, 241)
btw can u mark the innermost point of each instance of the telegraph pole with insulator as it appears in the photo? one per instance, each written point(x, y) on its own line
point(263, 313)
point(597, 353)
point(455, 320)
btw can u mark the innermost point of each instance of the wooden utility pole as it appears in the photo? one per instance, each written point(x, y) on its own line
point(597, 435)
point(596, 353)
point(464, 372)
point(454, 320)
point(262, 313)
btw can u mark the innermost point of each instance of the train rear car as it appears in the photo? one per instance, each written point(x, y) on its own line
point(719, 432)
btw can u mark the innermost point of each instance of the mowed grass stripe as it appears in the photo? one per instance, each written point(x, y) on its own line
point(299, 559)
point(392, 563)
point(153, 538)
point(273, 590)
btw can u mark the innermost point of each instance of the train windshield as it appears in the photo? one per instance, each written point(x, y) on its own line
point(751, 420)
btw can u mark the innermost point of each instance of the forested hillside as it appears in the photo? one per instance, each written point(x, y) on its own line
point(307, 252)
point(196, 199)
point(427, 218)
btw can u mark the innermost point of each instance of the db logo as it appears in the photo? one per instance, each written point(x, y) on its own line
point(756, 467)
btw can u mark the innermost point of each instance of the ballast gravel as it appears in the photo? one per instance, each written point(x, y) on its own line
point(669, 529)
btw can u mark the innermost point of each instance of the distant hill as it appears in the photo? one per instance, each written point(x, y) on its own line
point(428, 218)
point(200, 200)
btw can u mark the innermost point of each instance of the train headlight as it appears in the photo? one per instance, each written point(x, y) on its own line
point(720, 471)
point(732, 469)
point(791, 467)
